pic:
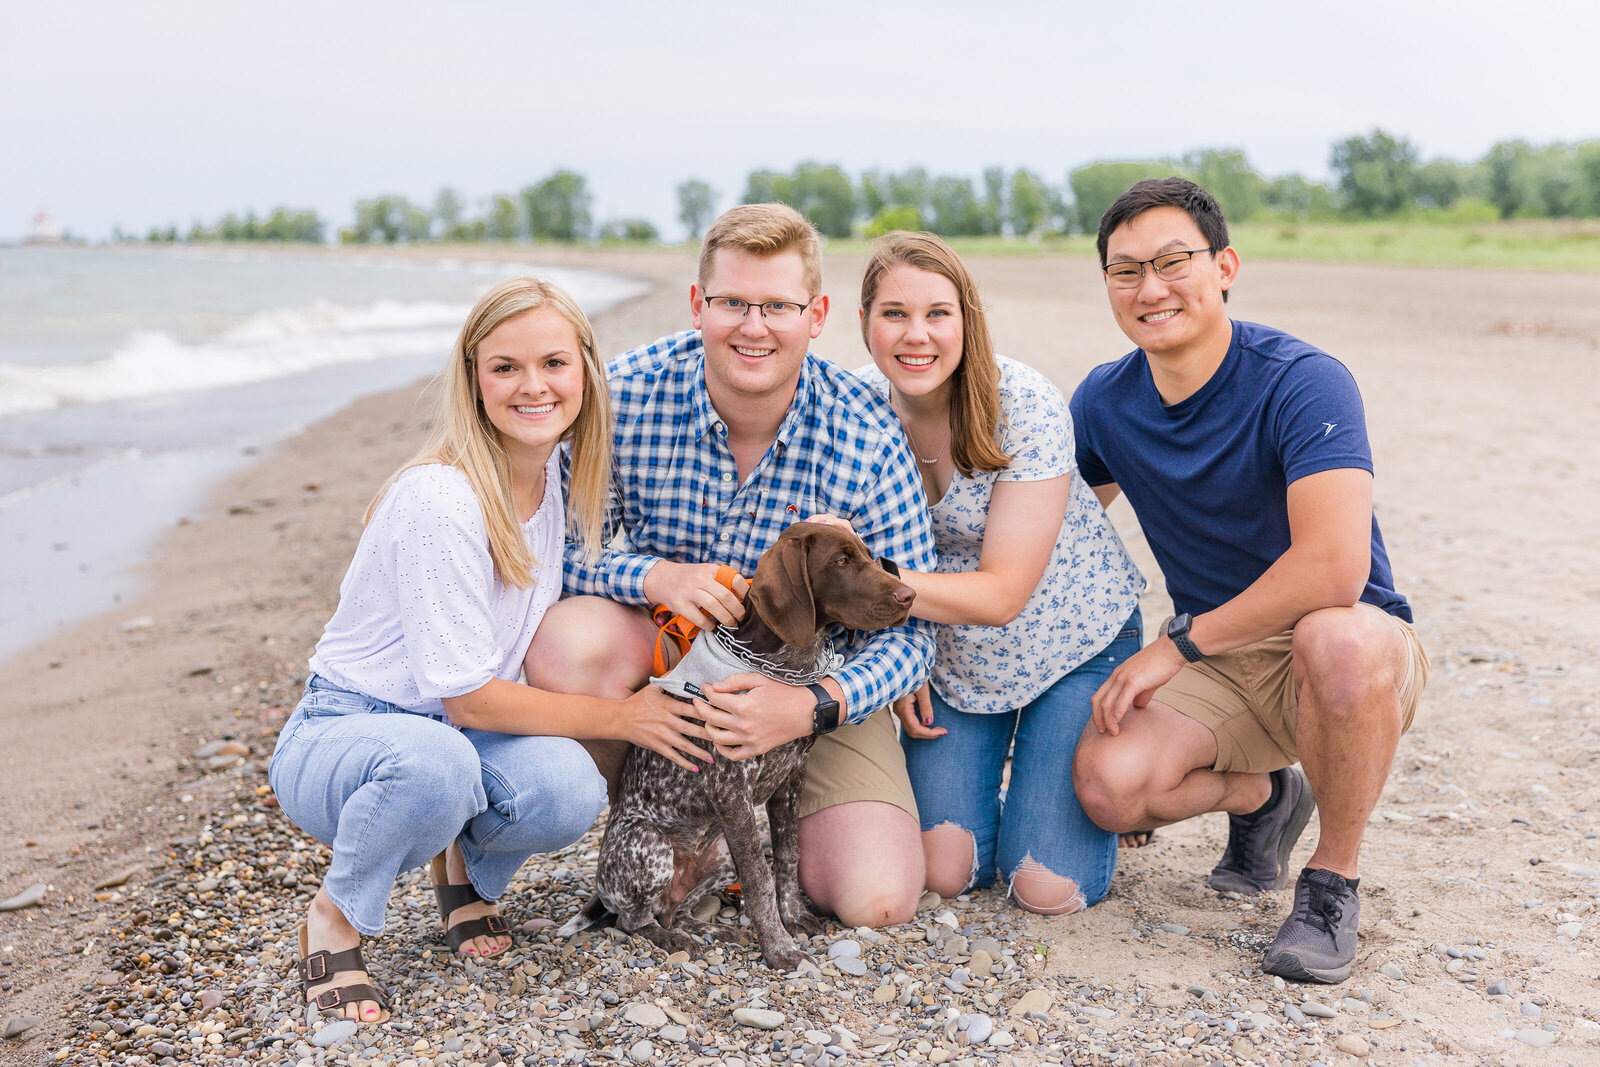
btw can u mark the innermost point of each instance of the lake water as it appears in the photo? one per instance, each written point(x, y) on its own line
point(131, 379)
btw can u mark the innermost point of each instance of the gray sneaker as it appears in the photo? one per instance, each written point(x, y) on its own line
point(1317, 942)
point(1257, 856)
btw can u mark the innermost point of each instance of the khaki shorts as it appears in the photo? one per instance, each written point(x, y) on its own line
point(861, 762)
point(1246, 698)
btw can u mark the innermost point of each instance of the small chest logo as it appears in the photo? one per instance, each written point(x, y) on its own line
point(1330, 426)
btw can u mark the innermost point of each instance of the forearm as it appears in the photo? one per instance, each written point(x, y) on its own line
point(890, 665)
point(512, 708)
point(967, 598)
point(616, 576)
point(1300, 582)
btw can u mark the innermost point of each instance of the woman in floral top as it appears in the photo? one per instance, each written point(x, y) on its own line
point(1035, 595)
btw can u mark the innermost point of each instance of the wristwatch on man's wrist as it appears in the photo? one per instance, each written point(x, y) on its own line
point(825, 716)
point(1178, 630)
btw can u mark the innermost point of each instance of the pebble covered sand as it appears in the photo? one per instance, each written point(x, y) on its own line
point(200, 971)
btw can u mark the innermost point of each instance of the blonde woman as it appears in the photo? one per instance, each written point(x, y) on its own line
point(1035, 596)
point(414, 741)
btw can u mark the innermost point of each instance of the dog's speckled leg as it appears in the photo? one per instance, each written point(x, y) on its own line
point(755, 880)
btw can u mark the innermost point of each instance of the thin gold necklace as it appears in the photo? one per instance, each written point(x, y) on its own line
point(917, 452)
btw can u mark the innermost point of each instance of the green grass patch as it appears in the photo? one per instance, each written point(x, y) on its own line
point(1522, 244)
point(1542, 244)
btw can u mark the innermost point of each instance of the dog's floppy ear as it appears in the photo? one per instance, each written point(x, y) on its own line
point(781, 592)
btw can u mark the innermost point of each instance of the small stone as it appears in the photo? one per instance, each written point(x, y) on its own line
point(980, 962)
point(1173, 928)
point(851, 965)
point(760, 1018)
point(1200, 991)
point(883, 994)
point(1531, 1010)
point(1096, 1012)
point(939, 1055)
point(212, 998)
point(1392, 970)
point(455, 1044)
point(161, 1050)
point(947, 918)
point(1001, 1039)
point(334, 1034)
point(705, 909)
point(1353, 1044)
point(845, 947)
point(1499, 988)
point(642, 1014)
point(29, 897)
point(1318, 1009)
point(676, 958)
point(929, 899)
point(641, 1051)
point(977, 1027)
point(533, 926)
point(1034, 1000)
point(1569, 929)
point(17, 1024)
point(989, 945)
point(674, 1033)
point(120, 878)
point(1536, 1038)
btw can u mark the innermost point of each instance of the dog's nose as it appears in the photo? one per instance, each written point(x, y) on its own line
point(904, 595)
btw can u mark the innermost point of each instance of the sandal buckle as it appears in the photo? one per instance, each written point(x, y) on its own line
point(330, 998)
point(497, 924)
point(315, 966)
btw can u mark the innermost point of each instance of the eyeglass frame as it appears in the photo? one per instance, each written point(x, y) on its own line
point(1190, 253)
point(762, 304)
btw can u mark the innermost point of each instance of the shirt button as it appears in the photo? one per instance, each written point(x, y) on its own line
point(727, 477)
point(720, 427)
point(724, 537)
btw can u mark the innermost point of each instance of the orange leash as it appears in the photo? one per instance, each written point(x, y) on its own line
point(677, 629)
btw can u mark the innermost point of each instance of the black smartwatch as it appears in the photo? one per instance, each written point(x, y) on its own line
point(825, 716)
point(1178, 630)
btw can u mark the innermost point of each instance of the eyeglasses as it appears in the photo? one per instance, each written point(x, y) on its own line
point(1169, 266)
point(777, 313)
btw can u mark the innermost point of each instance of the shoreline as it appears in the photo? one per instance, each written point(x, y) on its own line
point(1478, 395)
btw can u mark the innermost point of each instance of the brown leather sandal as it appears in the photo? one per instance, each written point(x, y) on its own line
point(315, 967)
point(450, 898)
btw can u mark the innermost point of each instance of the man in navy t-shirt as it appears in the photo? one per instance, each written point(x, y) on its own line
point(1244, 453)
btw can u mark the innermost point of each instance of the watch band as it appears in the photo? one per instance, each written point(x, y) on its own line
point(1178, 631)
point(825, 716)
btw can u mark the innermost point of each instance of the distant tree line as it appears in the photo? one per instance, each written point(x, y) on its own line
point(1376, 176)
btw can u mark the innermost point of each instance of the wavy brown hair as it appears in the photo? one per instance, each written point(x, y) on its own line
point(975, 415)
point(464, 437)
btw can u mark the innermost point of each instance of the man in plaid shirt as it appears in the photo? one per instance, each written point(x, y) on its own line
point(726, 434)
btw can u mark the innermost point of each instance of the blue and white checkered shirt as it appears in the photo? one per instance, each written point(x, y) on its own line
point(676, 495)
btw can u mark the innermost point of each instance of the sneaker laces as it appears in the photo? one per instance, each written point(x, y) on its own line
point(1324, 908)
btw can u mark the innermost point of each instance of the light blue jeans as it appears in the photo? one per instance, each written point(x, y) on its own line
point(956, 778)
point(388, 790)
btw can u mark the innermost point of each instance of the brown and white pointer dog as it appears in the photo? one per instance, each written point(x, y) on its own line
point(671, 833)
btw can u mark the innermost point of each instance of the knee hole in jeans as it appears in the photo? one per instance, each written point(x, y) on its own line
point(943, 845)
point(1040, 890)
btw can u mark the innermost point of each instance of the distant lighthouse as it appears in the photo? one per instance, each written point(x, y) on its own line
point(45, 230)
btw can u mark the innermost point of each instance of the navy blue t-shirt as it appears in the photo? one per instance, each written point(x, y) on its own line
point(1209, 476)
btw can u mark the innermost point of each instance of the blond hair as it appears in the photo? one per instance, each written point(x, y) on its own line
point(975, 413)
point(765, 230)
point(465, 438)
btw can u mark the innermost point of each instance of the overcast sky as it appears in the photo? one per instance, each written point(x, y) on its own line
point(160, 112)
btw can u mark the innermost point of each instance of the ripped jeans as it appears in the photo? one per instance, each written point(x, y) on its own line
point(957, 779)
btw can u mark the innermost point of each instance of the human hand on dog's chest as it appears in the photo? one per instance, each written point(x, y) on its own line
point(752, 714)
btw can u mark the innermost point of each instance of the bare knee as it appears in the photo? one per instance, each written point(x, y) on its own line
point(952, 859)
point(1038, 889)
point(590, 645)
point(875, 903)
point(1347, 662)
point(1108, 789)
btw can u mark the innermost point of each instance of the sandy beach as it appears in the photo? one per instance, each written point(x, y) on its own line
point(1480, 872)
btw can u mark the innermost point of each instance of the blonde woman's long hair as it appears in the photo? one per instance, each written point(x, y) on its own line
point(975, 415)
point(463, 437)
